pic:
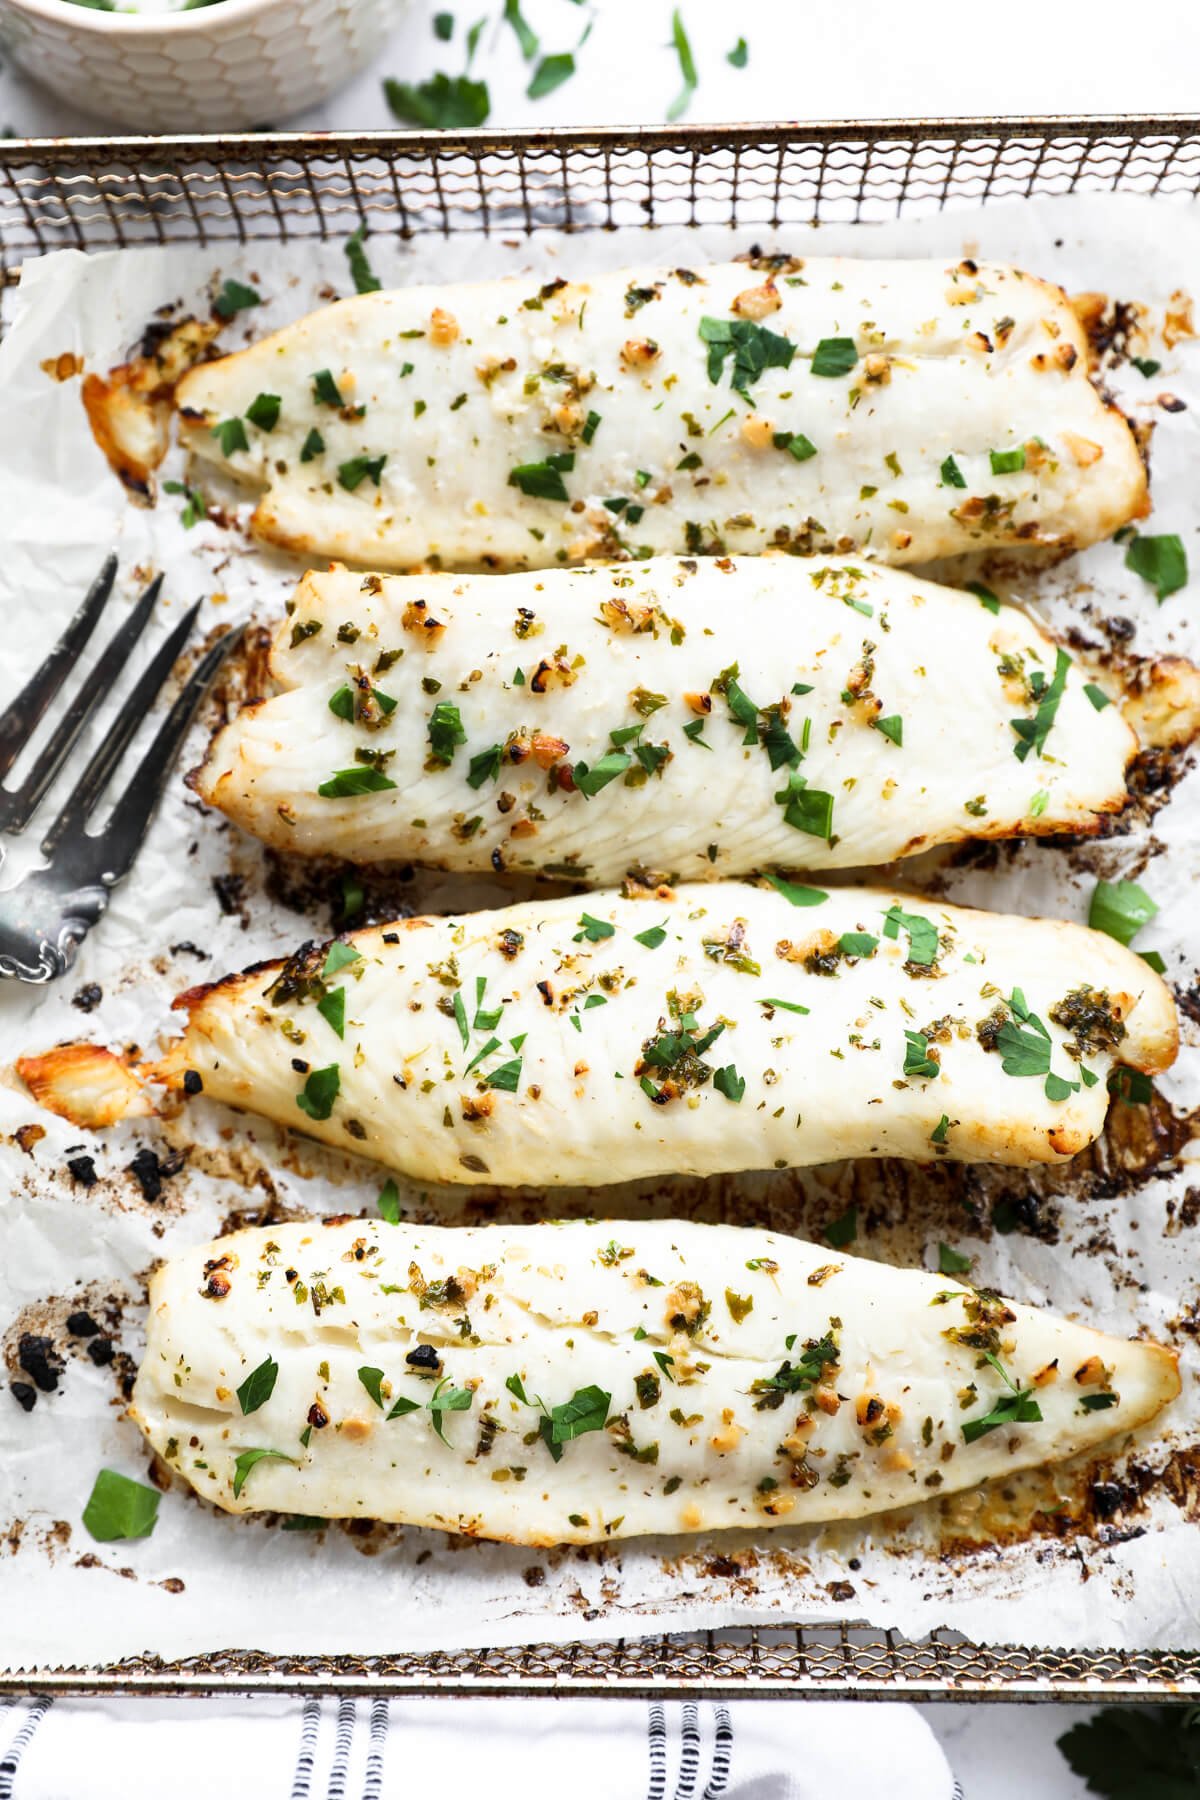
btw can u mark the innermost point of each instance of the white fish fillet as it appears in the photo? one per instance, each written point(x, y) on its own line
point(904, 717)
point(403, 452)
point(720, 1028)
point(736, 1377)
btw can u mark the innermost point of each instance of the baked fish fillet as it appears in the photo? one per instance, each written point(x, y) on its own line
point(704, 719)
point(912, 409)
point(576, 1382)
point(600, 1039)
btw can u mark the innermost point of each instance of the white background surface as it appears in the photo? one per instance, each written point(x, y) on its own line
point(816, 59)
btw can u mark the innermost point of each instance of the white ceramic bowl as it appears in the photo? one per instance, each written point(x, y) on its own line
point(225, 67)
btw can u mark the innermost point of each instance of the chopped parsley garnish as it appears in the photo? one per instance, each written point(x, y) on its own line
point(235, 297)
point(388, 1203)
point(231, 435)
point(843, 1230)
point(917, 1060)
point(447, 1398)
point(341, 703)
point(984, 595)
point(594, 930)
point(525, 34)
point(446, 732)
point(550, 73)
point(739, 55)
point(319, 1092)
point(1017, 1407)
point(1007, 462)
point(1032, 733)
point(1098, 1402)
point(834, 356)
point(544, 480)
point(652, 937)
point(727, 1081)
point(795, 1378)
point(332, 1008)
point(1097, 696)
point(1162, 561)
point(806, 809)
point(195, 506)
point(941, 1130)
point(484, 766)
point(258, 1386)
point(857, 943)
point(325, 389)
point(1023, 1041)
point(590, 427)
point(263, 411)
point(345, 784)
point(952, 1262)
point(507, 1077)
point(792, 1006)
point(1120, 909)
point(119, 1508)
point(891, 728)
point(248, 1460)
point(590, 779)
point(694, 732)
point(795, 894)
point(444, 103)
point(687, 67)
point(795, 443)
point(313, 446)
point(365, 279)
point(922, 934)
point(952, 475)
point(752, 347)
point(353, 473)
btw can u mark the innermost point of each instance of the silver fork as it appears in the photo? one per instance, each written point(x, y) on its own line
point(48, 913)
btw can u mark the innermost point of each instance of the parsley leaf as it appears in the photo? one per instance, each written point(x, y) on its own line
point(550, 73)
point(739, 55)
point(586, 1410)
point(651, 938)
point(313, 446)
point(891, 728)
point(917, 1060)
point(231, 435)
point(1120, 909)
point(325, 389)
point(247, 1460)
point(544, 480)
point(857, 943)
point(795, 894)
point(446, 732)
point(752, 347)
point(687, 67)
point(353, 473)
point(952, 1262)
point(1032, 733)
point(727, 1081)
point(332, 1008)
point(484, 766)
point(594, 930)
point(843, 1230)
point(922, 934)
point(590, 780)
point(1097, 696)
point(1017, 1407)
point(263, 411)
point(119, 1508)
point(806, 809)
point(319, 1092)
point(795, 443)
point(1007, 462)
point(258, 1386)
point(1162, 561)
point(389, 1202)
point(346, 783)
point(446, 1398)
point(444, 103)
point(365, 279)
point(984, 595)
point(952, 475)
point(834, 356)
point(526, 36)
point(235, 297)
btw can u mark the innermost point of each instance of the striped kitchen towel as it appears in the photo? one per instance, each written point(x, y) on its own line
point(370, 1748)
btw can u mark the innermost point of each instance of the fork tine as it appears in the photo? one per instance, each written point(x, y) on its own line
point(17, 808)
point(122, 836)
point(19, 720)
point(91, 783)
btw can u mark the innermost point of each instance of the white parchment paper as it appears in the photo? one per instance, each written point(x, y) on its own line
point(1120, 1253)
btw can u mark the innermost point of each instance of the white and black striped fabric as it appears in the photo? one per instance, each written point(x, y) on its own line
point(368, 1748)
